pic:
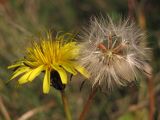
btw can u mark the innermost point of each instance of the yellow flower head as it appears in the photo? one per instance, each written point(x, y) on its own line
point(54, 56)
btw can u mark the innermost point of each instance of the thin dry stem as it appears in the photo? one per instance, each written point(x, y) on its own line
point(34, 111)
point(151, 98)
point(4, 110)
point(87, 105)
point(142, 23)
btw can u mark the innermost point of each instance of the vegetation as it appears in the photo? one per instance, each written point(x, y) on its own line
point(22, 20)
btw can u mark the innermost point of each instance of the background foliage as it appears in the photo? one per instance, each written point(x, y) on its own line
point(21, 20)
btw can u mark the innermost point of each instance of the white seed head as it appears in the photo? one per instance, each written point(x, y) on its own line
point(113, 52)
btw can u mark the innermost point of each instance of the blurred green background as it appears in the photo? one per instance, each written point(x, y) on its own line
point(20, 20)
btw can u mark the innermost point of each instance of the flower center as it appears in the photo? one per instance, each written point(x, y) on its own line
point(56, 81)
point(109, 53)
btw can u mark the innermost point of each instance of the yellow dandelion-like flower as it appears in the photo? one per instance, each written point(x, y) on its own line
point(53, 56)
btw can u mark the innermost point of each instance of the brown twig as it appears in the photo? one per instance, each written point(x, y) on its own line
point(138, 106)
point(151, 98)
point(4, 110)
point(132, 108)
point(150, 84)
point(9, 16)
point(34, 111)
point(87, 104)
point(131, 9)
point(142, 22)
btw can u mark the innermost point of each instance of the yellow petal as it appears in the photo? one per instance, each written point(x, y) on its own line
point(24, 78)
point(70, 50)
point(69, 45)
point(35, 72)
point(46, 82)
point(31, 64)
point(69, 68)
point(61, 72)
point(82, 70)
point(15, 65)
point(19, 71)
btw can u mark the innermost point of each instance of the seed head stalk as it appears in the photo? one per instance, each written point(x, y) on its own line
point(87, 105)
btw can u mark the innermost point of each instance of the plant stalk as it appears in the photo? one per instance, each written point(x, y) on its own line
point(151, 98)
point(87, 105)
point(66, 105)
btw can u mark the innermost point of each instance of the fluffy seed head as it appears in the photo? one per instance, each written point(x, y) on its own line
point(113, 52)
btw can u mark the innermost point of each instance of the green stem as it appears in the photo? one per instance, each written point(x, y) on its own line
point(87, 105)
point(66, 105)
